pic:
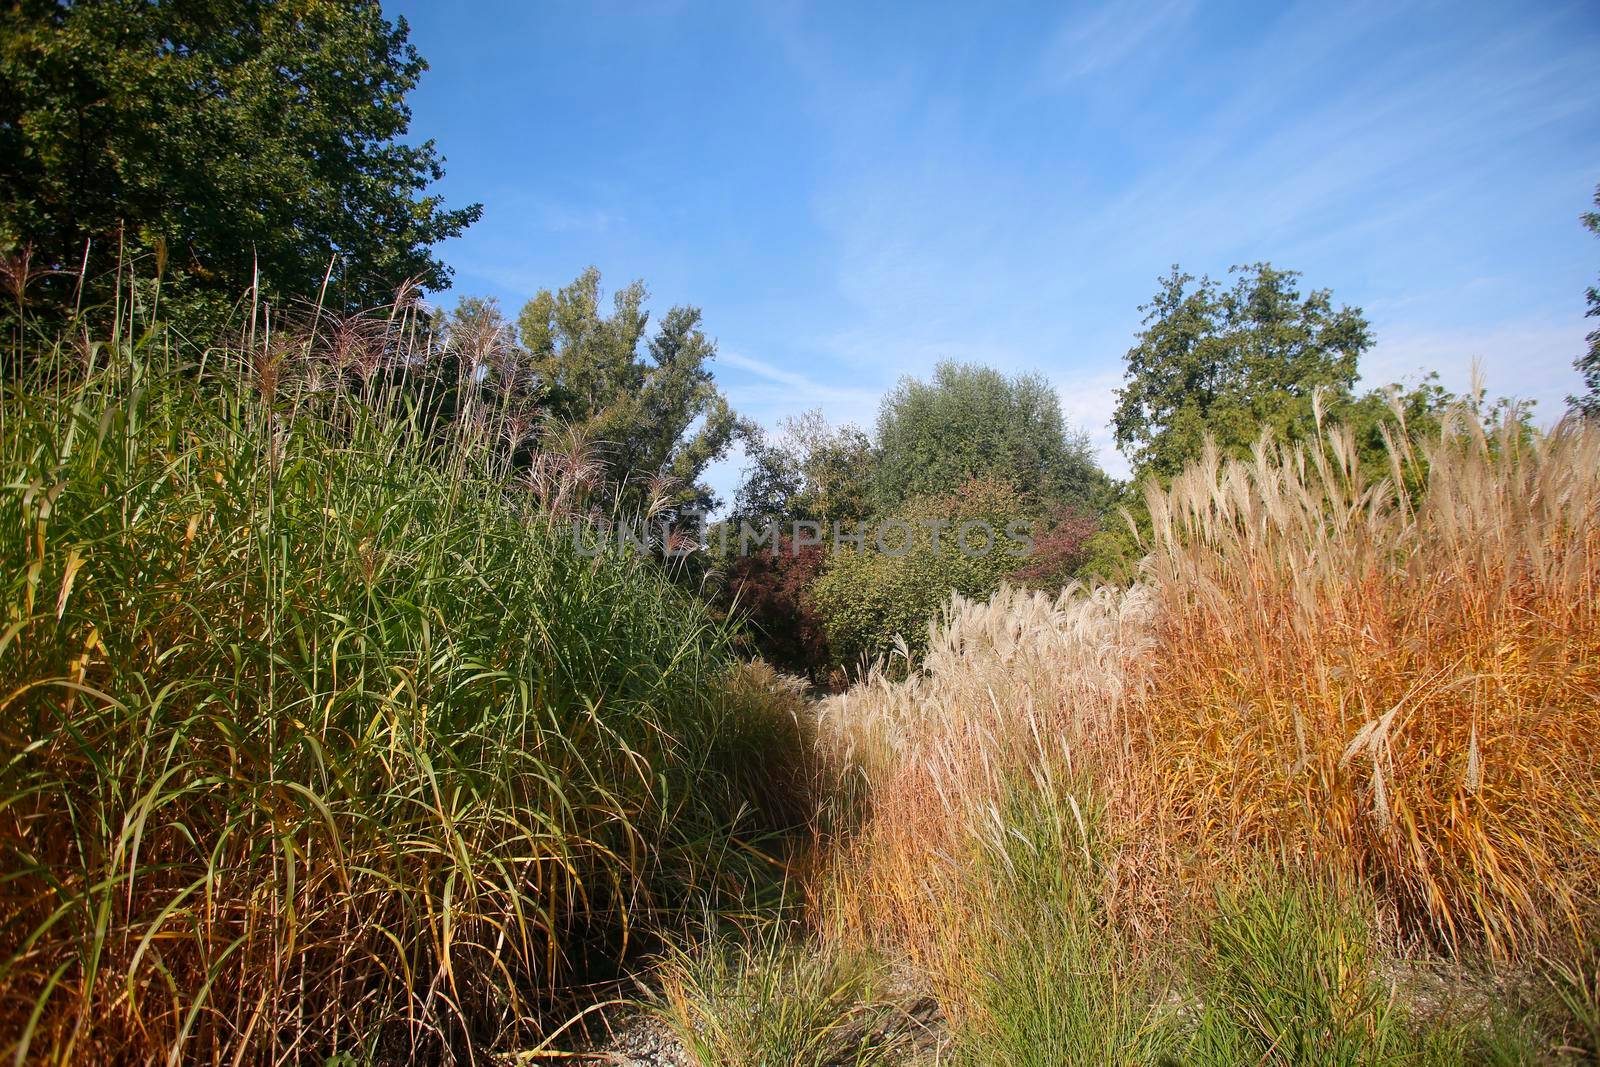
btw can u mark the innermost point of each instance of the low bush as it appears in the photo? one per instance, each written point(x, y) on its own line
point(871, 596)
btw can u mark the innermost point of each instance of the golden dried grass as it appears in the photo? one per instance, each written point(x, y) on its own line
point(1406, 689)
point(1315, 667)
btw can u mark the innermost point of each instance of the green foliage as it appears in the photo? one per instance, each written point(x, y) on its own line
point(638, 408)
point(1055, 984)
point(1111, 555)
point(868, 596)
point(229, 137)
point(310, 720)
point(836, 467)
point(811, 472)
point(1290, 978)
point(1588, 364)
point(765, 1000)
point(973, 422)
point(1228, 363)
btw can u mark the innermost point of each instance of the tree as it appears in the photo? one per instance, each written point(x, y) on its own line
point(811, 471)
point(911, 561)
point(1228, 363)
point(657, 416)
point(1588, 364)
point(231, 138)
point(973, 422)
point(836, 468)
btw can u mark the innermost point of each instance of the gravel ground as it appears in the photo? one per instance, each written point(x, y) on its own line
point(641, 1041)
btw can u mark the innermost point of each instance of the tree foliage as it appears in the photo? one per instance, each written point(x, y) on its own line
point(1588, 364)
point(974, 422)
point(868, 596)
point(811, 471)
point(1229, 363)
point(228, 137)
point(647, 401)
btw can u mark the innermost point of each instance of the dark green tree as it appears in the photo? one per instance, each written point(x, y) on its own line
point(810, 471)
point(1588, 364)
point(230, 138)
point(648, 402)
point(913, 559)
point(1229, 363)
point(974, 422)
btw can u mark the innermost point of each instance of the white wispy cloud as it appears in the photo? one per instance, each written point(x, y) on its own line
point(1091, 41)
point(778, 393)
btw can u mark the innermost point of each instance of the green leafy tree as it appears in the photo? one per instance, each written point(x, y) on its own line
point(836, 467)
point(231, 138)
point(770, 485)
point(974, 422)
point(869, 595)
point(1588, 364)
point(1229, 363)
point(811, 471)
point(647, 401)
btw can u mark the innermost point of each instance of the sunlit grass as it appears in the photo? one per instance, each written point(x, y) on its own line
point(1404, 689)
point(317, 734)
point(1319, 679)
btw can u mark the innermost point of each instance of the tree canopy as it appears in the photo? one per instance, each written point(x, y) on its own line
point(974, 422)
point(647, 401)
point(811, 471)
point(1228, 363)
point(231, 138)
point(1588, 364)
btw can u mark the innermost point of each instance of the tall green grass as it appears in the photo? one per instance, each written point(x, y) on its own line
point(1051, 978)
point(765, 999)
point(317, 735)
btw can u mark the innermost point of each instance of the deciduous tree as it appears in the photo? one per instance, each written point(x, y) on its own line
point(1229, 363)
point(1588, 364)
point(235, 139)
point(648, 401)
point(974, 422)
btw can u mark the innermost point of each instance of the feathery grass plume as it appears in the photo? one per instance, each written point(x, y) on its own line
point(1405, 688)
point(1392, 683)
point(309, 745)
point(1027, 688)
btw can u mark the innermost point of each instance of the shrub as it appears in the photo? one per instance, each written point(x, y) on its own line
point(771, 592)
point(1061, 548)
point(868, 598)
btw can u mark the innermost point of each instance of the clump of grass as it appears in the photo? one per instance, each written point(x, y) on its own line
point(318, 737)
point(1392, 686)
point(1401, 688)
point(767, 999)
point(1024, 687)
point(1038, 974)
point(1289, 977)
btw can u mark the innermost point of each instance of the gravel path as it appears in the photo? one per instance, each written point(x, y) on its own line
point(641, 1041)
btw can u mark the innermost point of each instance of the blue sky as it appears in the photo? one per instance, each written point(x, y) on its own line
point(851, 192)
